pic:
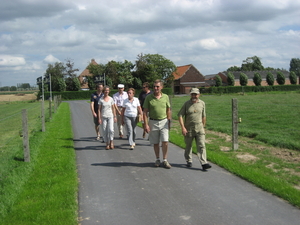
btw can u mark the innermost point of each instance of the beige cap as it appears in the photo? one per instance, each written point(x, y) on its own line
point(120, 85)
point(194, 91)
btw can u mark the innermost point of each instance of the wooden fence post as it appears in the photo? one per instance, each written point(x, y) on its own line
point(25, 136)
point(43, 115)
point(235, 144)
point(50, 108)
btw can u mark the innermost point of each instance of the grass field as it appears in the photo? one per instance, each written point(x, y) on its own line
point(34, 192)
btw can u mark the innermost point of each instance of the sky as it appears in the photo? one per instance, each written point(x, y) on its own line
point(213, 35)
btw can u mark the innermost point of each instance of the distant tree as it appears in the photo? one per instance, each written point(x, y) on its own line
point(280, 78)
point(24, 86)
point(243, 79)
point(218, 81)
point(293, 77)
point(56, 73)
point(150, 67)
point(252, 64)
point(233, 69)
point(270, 79)
point(124, 73)
point(257, 79)
point(72, 82)
point(295, 66)
point(13, 88)
point(230, 79)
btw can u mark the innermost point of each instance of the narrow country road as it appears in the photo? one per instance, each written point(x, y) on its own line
point(122, 186)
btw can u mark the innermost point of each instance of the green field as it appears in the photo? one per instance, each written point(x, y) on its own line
point(271, 118)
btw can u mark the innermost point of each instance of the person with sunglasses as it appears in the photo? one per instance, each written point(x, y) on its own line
point(119, 98)
point(146, 91)
point(159, 108)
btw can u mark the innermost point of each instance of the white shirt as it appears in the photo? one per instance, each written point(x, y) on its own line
point(119, 98)
point(131, 107)
point(106, 110)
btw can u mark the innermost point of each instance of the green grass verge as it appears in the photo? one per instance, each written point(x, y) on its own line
point(48, 193)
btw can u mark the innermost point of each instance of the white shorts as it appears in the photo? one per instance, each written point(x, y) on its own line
point(159, 131)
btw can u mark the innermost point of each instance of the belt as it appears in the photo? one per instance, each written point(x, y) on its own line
point(158, 120)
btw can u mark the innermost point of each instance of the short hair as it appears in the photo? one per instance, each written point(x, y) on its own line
point(98, 85)
point(131, 89)
point(105, 87)
point(159, 81)
point(146, 84)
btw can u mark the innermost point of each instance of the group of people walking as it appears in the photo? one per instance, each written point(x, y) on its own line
point(154, 110)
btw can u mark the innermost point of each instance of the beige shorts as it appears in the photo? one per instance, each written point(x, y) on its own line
point(159, 131)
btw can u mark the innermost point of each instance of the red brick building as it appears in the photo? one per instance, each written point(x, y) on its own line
point(85, 73)
point(187, 77)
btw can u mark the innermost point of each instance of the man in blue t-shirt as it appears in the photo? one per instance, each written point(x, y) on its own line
point(94, 108)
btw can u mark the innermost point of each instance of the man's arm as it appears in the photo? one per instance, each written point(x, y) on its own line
point(93, 109)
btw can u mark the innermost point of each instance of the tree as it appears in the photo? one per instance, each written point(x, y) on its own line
point(218, 81)
point(243, 79)
point(295, 67)
point(257, 79)
point(13, 88)
point(230, 79)
point(280, 78)
point(72, 82)
point(252, 64)
point(55, 73)
point(124, 73)
point(293, 77)
point(233, 69)
point(150, 67)
point(270, 79)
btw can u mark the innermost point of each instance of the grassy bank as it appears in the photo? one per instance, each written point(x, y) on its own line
point(47, 193)
point(259, 159)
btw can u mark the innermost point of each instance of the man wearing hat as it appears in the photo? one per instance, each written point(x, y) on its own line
point(193, 126)
point(119, 98)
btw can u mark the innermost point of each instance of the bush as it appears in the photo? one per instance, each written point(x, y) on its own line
point(280, 78)
point(270, 79)
point(257, 79)
point(243, 79)
point(293, 78)
point(230, 79)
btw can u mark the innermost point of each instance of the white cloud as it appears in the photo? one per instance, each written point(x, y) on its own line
point(11, 61)
point(50, 59)
point(210, 34)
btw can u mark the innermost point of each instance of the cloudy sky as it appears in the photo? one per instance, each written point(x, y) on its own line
point(210, 34)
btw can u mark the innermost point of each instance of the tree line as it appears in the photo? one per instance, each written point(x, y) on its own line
point(254, 64)
point(146, 68)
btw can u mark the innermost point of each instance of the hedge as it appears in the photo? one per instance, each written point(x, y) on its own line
point(239, 89)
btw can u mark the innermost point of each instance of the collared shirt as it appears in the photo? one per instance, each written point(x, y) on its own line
point(119, 98)
point(95, 98)
point(131, 107)
point(193, 113)
point(157, 107)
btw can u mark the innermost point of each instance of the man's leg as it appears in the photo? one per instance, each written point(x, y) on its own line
point(201, 149)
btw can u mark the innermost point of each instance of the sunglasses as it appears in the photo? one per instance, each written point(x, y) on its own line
point(156, 86)
point(145, 87)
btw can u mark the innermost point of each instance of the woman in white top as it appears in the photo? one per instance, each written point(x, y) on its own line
point(131, 106)
point(107, 117)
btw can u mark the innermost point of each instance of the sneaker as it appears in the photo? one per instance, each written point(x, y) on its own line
point(131, 147)
point(166, 165)
point(189, 164)
point(157, 163)
point(98, 138)
point(206, 166)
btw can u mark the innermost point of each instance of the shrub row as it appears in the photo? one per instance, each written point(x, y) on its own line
point(238, 89)
point(71, 95)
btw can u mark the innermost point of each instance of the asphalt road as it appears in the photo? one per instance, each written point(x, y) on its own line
point(122, 186)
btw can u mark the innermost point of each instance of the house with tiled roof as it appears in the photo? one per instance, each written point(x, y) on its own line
point(85, 73)
point(187, 77)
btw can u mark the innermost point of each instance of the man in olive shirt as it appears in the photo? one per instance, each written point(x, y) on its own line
point(158, 106)
point(193, 127)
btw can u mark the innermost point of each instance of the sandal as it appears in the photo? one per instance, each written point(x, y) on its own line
point(112, 146)
point(107, 147)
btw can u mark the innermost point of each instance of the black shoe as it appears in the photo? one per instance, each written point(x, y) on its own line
point(189, 164)
point(206, 166)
